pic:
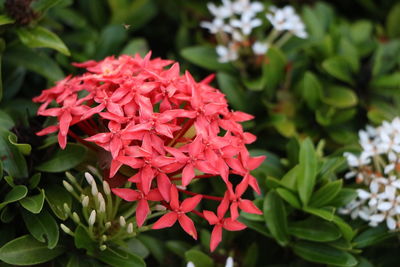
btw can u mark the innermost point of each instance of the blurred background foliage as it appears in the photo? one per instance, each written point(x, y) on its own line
point(327, 87)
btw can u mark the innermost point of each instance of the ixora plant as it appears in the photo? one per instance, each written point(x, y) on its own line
point(161, 132)
point(377, 167)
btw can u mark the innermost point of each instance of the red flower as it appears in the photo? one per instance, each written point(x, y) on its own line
point(178, 212)
point(160, 130)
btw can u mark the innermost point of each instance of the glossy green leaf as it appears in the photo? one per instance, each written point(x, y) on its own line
point(17, 193)
point(340, 97)
point(42, 6)
point(34, 180)
point(26, 250)
point(111, 39)
point(275, 217)
point(206, 57)
point(311, 90)
point(14, 162)
point(326, 193)
point(289, 197)
point(260, 228)
point(83, 240)
point(119, 258)
point(42, 226)
point(320, 253)
point(1, 170)
point(345, 228)
point(198, 258)
point(155, 246)
point(25, 149)
point(33, 204)
point(177, 246)
point(35, 61)
point(273, 70)
point(393, 21)
point(7, 214)
point(324, 213)
point(4, 19)
point(135, 13)
point(339, 68)
point(135, 246)
point(65, 159)
point(372, 236)
point(230, 86)
point(41, 37)
point(314, 229)
point(289, 180)
point(2, 47)
point(6, 122)
point(345, 196)
point(307, 170)
point(56, 196)
point(137, 45)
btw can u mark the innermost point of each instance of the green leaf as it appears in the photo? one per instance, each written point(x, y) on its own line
point(178, 247)
point(313, 23)
point(33, 204)
point(1, 170)
point(205, 57)
point(273, 70)
point(137, 45)
point(34, 61)
point(42, 226)
point(83, 240)
point(6, 121)
point(64, 160)
point(230, 86)
point(56, 196)
point(7, 214)
point(326, 193)
point(2, 46)
point(345, 196)
point(111, 39)
point(289, 180)
point(42, 6)
point(393, 22)
point(25, 149)
point(324, 213)
point(307, 170)
point(156, 246)
point(41, 37)
point(314, 229)
point(119, 258)
point(17, 193)
point(14, 163)
point(256, 226)
point(340, 97)
point(4, 19)
point(339, 68)
point(275, 217)
point(320, 253)
point(135, 246)
point(289, 197)
point(198, 258)
point(372, 236)
point(26, 250)
point(311, 90)
point(34, 180)
point(345, 228)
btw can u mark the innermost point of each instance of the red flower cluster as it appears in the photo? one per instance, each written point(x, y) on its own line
point(165, 126)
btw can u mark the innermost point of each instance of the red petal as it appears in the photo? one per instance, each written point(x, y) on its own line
point(196, 147)
point(223, 206)
point(164, 186)
point(210, 217)
point(154, 195)
point(167, 220)
point(249, 207)
point(174, 197)
point(241, 187)
point(190, 203)
point(48, 130)
point(126, 193)
point(232, 225)
point(187, 174)
point(65, 120)
point(99, 138)
point(234, 210)
point(216, 237)
point(254, 163)
point(62, 140)
point(142, 211)
point(188, 225)
point(146, 175)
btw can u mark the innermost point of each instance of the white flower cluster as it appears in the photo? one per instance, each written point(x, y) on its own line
point(286, 19)
point(234, 22)
point(377, 167)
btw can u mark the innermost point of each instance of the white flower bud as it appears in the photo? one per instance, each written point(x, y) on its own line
point(76, 218)
point(160, 207)
point(70, 177)
point(92, 218)
point(102, 207)
point(129, 229)
point(94, 189)
point(66, 208)
point(68, 186)
point(103, 247)
point(229, 262)
point(106, 188)
point(104, 238)
point(66, 229)
point(107, 225)
point(190, 264)
point(89, 178)
point(85, 201)
point(181, 187)
point(122, 221)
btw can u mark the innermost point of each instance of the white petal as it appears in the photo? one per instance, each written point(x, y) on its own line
point(363, 194)
point(384, 206)
point(391, 223)
point(377, 218)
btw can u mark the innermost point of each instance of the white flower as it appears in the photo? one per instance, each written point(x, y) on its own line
point(190, 264)
point(216, 26)
point(227, 54)
point(260, 48)
point(246, 23)
point(222, 12)
point(246, 7)
point(229, 262)
point(286, 19)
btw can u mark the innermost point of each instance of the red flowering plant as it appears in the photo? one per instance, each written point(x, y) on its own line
point(167, 129)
